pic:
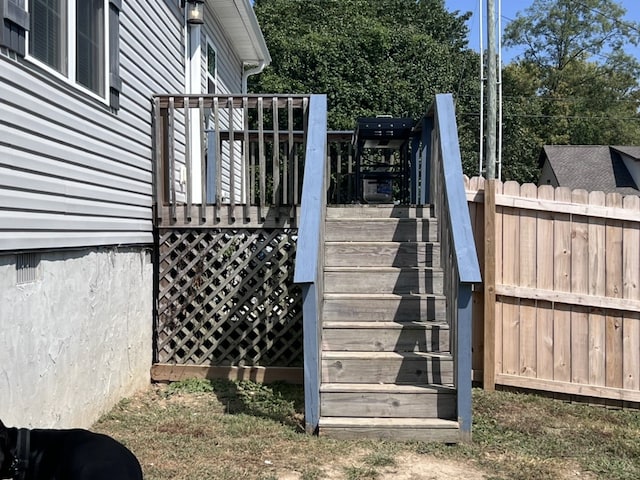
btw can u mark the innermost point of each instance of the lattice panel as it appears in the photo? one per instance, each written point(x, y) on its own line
point(226, 297)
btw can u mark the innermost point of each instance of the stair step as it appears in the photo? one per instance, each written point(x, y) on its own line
point(396, 254)
point(385, 336)
point(396, 401)
point(379, 211)
point(402, 429)
point(414, 368)
point(384, 307)
point(382, 229)
point(383, 280)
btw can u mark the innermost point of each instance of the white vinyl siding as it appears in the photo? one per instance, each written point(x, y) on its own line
point(73, 174)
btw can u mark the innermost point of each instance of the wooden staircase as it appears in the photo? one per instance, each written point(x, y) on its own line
point(386, 367)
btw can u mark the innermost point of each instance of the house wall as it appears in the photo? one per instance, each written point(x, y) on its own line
point(547, 177)
point(72, 173)
point(76, 180)
point(77, 339)
point(76, 185)
point(633, 165)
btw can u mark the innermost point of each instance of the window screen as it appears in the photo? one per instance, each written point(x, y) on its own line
point(48, 34)
point(211, 68)
point(90, 40)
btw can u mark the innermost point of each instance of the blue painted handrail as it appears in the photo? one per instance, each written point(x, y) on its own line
point(439, 165)
point(309, 258)
point(462, 234)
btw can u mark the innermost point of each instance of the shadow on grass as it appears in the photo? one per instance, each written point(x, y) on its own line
point(280, 402)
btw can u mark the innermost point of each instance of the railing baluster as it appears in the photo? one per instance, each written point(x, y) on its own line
point(232, 157)
point(276, 154)
point(187, 153)
point(203, 161)
point(172, 160)
point(286, 176)
point(261, 154)
point(246, 169)
point(218, 162)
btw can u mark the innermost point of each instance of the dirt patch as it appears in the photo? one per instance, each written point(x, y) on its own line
point(408, 466)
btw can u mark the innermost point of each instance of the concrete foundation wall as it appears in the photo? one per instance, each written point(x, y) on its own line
point(77, 339)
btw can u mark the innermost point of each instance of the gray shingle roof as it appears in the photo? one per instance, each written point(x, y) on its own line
point(592, 167)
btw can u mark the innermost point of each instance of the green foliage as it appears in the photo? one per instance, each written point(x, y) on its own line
point(572, 85)
point(369, 57)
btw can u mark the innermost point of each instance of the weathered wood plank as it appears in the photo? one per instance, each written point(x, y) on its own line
point(527, 277)
point(385, 336)
point(358, 400)
point(562, 283)
point(579, 284)
point(383, 230)
point(510, 276)
point(544, 280)
point(568, 388)
point(407, 429)
point(597, 287)
point(164, 372)
point(614, 288)
point(387, 367)
point(569, 299)
point(397, 254)
point(631, 291)
point(383, 280)
point(380, 307)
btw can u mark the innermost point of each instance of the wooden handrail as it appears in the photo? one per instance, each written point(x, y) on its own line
point(446, 192)
point(309, 253)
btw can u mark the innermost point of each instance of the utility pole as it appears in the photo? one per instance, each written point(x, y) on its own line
point(492, 81)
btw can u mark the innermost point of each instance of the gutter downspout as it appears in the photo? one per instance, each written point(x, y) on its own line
point(252, 71)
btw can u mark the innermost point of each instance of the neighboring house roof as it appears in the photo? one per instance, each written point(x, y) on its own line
point(592, 167)
point(240, 24)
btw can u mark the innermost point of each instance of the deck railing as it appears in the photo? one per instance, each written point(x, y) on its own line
point(441, 183)
point(217, 153)
point(309, 270)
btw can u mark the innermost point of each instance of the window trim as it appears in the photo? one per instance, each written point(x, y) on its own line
point(70, 77)
point(210, 44)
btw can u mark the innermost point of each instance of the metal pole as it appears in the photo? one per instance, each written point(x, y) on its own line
point(491, 90)
point(482, 79)
point(499, 152)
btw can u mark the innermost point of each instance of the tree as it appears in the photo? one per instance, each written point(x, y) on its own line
point(369, 56)
point(574, 80)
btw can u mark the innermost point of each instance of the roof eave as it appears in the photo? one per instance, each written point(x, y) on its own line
point(240, 24)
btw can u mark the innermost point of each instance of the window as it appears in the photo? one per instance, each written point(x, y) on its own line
point(212, 68)
point(69, 36)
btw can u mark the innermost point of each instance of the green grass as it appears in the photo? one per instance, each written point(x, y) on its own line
point(222, 430)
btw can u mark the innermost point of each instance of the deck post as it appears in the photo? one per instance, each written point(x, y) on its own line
point(463, 360)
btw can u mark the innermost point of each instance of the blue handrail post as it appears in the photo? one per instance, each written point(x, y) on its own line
point(463, 360)
point(309, 254)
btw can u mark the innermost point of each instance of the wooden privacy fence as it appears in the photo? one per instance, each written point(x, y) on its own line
point(561, 305)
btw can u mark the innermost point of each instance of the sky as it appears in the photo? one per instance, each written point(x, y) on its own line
point(509, 10)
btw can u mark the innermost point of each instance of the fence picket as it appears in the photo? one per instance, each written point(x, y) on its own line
point(499, 279)
point(544, 280)
point(597, 285)
point(613, 275)
point(528, 260)
point(631, 290)
point(510, 276)
point(561, 282)
point(579, 284)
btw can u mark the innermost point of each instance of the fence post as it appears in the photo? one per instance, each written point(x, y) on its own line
point(489, 275)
